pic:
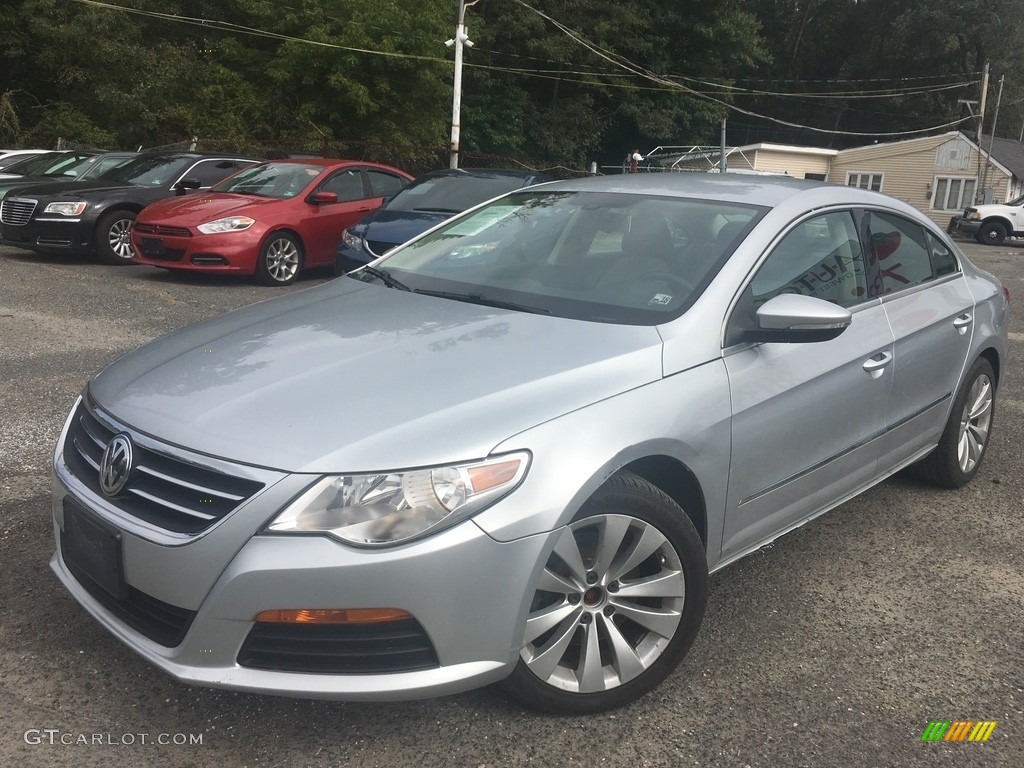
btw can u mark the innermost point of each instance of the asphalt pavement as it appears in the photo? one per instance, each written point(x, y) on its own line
point(835, 646)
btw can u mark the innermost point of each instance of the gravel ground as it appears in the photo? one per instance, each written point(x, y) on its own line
point(835, 646)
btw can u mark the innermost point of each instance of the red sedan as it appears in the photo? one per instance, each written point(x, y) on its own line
point(271, 220)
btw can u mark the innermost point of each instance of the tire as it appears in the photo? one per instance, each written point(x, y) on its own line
point(113, 238)
point(957, 458)
point(991, 233)
point(617, 604)
point(279, 261)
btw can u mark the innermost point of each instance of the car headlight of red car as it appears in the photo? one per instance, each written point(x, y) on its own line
point(228, 224)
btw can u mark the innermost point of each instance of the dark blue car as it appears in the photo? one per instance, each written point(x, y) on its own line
point(429, 200)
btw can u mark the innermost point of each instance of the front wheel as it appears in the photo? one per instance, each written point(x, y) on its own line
point(279, 260)
point(961, 448)
point(113, 237)
point(616, 605)
point(992, 233)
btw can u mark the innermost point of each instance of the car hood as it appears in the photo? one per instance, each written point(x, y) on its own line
point(355, 377)
point(79, 188)
point(203, 206)
point(396, 227)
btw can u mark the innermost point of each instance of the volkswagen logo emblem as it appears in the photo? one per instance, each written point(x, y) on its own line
point(116, 465)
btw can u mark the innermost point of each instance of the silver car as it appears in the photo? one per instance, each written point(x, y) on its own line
point(514, 449)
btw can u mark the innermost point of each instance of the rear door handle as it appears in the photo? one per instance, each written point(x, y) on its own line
point(963, 322)
point(876, 365)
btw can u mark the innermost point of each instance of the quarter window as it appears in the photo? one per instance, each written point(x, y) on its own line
point(872, 181)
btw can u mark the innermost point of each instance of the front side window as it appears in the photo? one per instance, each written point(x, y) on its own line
point(603, 257)
point(819, 257)
point(872, 181)
point(209, 172)
point(346, 184)
point(952, 193)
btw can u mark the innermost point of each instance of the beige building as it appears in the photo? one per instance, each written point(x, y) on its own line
point(938, 175)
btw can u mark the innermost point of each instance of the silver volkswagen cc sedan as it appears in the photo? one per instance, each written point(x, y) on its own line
point(514, 449)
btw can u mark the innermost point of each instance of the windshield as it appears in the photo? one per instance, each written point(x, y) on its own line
point(152, 170)
point(452, 194)
point(39, 163)
point(279, 180)
point(604, 257)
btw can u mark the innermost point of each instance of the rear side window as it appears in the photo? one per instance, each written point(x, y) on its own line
point(898, 255)
point(384, 184)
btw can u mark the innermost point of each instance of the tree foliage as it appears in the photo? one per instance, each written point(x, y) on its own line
point(558, 83)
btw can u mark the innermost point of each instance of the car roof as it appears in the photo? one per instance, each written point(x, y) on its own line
point(770, 191)
point(484, 173)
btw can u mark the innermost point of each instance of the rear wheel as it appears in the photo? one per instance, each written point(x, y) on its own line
point(113, 237)
point(279, 260)
point(616, 605)
point(991, 233)
point(958, 455)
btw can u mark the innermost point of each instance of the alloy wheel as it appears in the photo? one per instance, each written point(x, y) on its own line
point(606, 606)
point(119, 238)
point(282, 259)
point(974, 423)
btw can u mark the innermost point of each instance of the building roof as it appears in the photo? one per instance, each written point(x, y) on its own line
point(1007, 152)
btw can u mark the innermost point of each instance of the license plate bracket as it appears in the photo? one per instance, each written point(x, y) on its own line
point(93, 550)
point(153, 246)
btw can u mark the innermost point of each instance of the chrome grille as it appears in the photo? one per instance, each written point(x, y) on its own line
point(162, 489)
point(16, 211)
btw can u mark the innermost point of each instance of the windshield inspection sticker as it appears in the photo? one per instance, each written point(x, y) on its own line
point(659, 300)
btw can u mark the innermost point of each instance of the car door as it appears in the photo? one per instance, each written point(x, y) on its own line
point(806, 416)
point(327, 220)
point(931, 313)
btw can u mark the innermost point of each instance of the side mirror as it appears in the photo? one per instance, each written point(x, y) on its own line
point(791, 318)
point(189, 184)
point(322, 198)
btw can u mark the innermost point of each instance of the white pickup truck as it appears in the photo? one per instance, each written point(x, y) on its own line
point(991, 224)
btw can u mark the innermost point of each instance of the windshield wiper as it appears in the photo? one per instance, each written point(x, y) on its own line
point(383, 276)
point(476, 298)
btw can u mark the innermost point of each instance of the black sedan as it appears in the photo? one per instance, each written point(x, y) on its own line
point(61, 169)
point(96, 215)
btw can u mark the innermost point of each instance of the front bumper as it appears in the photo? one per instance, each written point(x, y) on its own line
point(467, 591)
point(960, 225)
point(50, 235)
point(225, 253)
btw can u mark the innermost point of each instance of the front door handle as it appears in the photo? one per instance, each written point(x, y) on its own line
point(876, 365)
point(963, 322)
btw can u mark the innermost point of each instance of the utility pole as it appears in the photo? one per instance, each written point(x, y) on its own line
point(461, 39)
point(981, 119)
point(723, 165)
point(992, 135)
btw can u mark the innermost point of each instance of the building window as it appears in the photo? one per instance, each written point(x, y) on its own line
point(952, 193)
point(871, 181)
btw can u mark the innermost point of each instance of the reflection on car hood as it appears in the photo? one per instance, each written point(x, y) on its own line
point(396, 227)
point(352, 377)
point(203, 206)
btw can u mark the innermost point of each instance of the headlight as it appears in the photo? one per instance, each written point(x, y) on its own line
point(974, 216)
point(66, 209)
point(386, 509)
point(230, 224)
point(352, 241)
